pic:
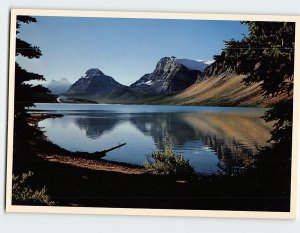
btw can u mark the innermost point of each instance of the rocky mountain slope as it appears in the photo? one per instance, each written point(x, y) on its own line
point(220, 86)
point(176, 82)
point(94, 84)
point(169, 77)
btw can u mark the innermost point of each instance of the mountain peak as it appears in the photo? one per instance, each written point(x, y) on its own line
point(167, 60)
point(93, 72)
point(95, 82)
point(168, 77)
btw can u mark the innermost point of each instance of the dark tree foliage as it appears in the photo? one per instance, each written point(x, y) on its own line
point(24, 19)
point(27, 50)
point(25, 93)
point(266, 56)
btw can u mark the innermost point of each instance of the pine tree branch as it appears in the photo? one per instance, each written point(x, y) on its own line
point(24, 19)
point(27, 50)
point(22, 75)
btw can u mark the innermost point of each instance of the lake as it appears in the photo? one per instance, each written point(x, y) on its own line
point(213, 139)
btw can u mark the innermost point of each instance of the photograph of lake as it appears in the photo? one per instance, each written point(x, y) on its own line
point(150, 113)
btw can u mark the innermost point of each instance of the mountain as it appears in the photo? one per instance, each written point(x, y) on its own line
point(94, 84)
point(170, 76)
point(219, 85)
point(194, 64)
point(176, 82)
point(58, 86)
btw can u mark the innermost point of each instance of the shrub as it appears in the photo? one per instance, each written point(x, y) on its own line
point(166, 162)
point(22, 194)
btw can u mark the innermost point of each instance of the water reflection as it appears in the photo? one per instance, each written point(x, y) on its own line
point(233, 156)
point(94, 127)
point(211, 141)
point(165, 128)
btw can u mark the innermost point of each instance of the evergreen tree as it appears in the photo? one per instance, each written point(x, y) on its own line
point(266, 56)
point(25, 93)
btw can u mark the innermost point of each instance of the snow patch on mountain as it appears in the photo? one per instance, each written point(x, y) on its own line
point(193, 64)
point(168, 77)
point(207, 62)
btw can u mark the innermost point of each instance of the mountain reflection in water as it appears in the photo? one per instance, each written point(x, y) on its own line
point(211, 141)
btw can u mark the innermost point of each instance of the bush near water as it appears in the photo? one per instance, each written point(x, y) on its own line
point(166, 162)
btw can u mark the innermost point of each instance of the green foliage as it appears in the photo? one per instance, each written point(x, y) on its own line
point(266, 56)
point(23, 194)
point(282, 115)
point(168, 163)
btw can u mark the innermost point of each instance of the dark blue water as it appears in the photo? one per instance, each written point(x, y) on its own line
point(213, 139)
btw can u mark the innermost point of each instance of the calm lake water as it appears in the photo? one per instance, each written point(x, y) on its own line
point(213, 139)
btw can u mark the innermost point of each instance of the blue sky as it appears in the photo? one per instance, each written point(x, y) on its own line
point(125, 49)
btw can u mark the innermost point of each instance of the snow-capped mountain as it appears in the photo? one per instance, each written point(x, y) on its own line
point(194, 64)
point(58, 86)
point(174, 81)
point(94, 83)
point(170, 76)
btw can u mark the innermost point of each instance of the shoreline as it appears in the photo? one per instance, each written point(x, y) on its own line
point(163, 105)
point(84, 182)
point(56, 154)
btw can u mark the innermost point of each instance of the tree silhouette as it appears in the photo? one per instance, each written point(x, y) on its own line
point(25, 93)
point(266, 56)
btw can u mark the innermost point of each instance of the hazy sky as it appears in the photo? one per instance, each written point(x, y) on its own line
point(125, 49)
